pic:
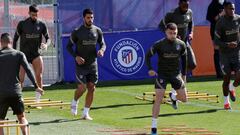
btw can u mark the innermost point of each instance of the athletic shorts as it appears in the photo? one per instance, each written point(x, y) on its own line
point(86, 74)
point(31, 56)
point(175, 80)
point(230, 63)
point(16, 103)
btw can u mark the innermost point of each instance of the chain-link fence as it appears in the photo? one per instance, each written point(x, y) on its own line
point(13, 11)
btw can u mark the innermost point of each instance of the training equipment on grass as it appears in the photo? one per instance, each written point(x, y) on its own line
point(7, 124)
point(150, 96)
point(30, 103)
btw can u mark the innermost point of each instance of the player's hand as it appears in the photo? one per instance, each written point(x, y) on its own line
point(100, 53)
point(152, 73)
point(190, 36)
point(40, 90)
point(44, 46)
point(80, 60)
point(232, 44)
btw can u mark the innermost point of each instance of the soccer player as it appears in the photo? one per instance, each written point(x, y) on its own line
point(214, 12)
point(30, 32)
point(10, 89)
point(170, 50)
point(86, 38)
point(227, 38)
point(182, 16)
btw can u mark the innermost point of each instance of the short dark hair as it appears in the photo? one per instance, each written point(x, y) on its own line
point(180, 1)
point(5, 37)
point(227, 3)
point(33, 8)
point(171, 26)
point(87, 11)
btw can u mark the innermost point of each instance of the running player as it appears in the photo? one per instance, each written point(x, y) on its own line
point(170, 50)
point(30, 32)
point(227, 38)
point(86, 38)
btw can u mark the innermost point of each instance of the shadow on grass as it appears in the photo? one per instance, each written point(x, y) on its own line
point(118, 105)
point(53, 121)
point(176, 114)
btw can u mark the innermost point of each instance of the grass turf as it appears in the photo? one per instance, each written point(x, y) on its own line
point(116, 108)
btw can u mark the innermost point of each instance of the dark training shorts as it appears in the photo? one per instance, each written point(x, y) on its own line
point(230, 63)
point(175, 80)
point(86, 74)
point(15, 103)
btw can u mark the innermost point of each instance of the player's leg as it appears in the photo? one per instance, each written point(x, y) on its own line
point(22, 76)
point(22, 120)
point(3, 111)
point(181, 93)
point(92, 79)
point(226, 70)
point(88, 100)
point(180, 87)
point(217, 64)
point(81, 88)
point(37, 65)
point(160, 87)
point(225, 87)
point(16, 103)
point(232, 86)
point(77, 94)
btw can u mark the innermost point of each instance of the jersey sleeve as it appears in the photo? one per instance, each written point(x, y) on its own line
point(191, 23)
point(218, 35)
point(101, 40)
point(71, 42)
point(18, 32)
point(149, 54)
point(45, 32)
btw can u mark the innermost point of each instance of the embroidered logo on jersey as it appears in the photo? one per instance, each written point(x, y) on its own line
point(187, 17)
point(127, 56)
point(178, 47)
point(231, 32)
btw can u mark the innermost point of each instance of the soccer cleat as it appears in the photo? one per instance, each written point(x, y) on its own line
point(74, 107)
point(232, 92)
point(86, 117)
point(154, 131)
point(174, 102)
point(227, 106)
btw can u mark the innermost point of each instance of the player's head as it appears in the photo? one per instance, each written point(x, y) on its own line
point(171, 31)
point(88, 17)
point(229, 8)
point(5, 40)
point(183, 5)
point(33, 12)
